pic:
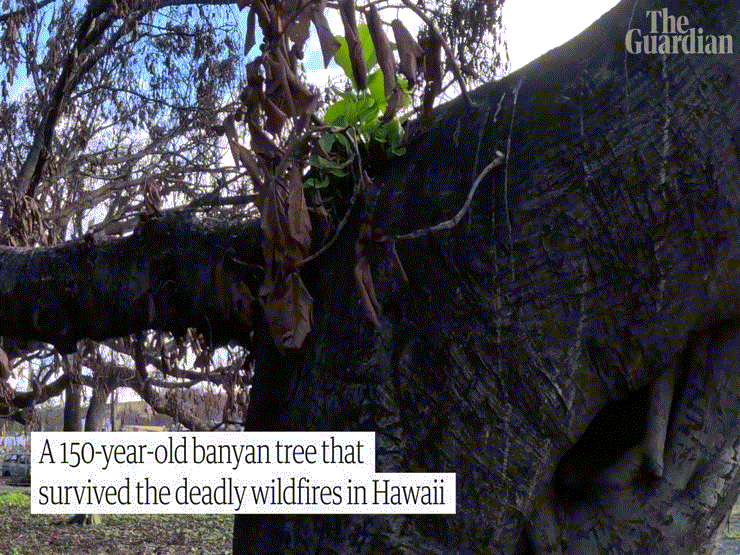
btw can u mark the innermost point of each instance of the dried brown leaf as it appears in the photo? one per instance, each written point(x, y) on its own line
point(304, 100)
point(383, 51)
point(265, 17)
point(327, 40)
point(299, 222)
point(242, 300)
point(261, 143)
point(241, 154)
point(288, 308)
point(395, 101)
point(409, 51)
point(250, 40)
point(363, 276)
point(299, 306)
point(356, 55)
point(254, 79)
point(364, 282)
point(277, 84)
point(433, 58)
point(275, 117)
point(299, 29)
point(5, 371)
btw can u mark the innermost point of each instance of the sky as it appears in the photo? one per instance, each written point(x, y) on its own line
point(535, 26)
point(532, 28)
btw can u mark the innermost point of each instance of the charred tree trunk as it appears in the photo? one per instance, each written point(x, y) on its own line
point(113, 405)
point(570, 349)
point(72, 397)
point(95, 412)
point(94, 419)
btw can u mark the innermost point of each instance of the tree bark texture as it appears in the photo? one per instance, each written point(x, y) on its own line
point(160, 277)
point(570, 349)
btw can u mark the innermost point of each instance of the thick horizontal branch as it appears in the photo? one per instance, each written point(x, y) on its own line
point(162, 276)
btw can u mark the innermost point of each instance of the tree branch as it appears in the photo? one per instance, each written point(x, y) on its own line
point(160, 277)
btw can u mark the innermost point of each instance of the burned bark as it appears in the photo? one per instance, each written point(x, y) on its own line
point(160, 277)
point(578, 326)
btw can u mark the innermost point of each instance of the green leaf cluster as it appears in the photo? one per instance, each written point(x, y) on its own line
point(360, 111)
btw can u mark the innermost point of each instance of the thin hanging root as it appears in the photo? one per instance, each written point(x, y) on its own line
point(661, 399)
point(363, 277)
point(366, 288)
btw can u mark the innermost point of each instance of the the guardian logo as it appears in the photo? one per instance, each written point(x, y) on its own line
point(672, 35)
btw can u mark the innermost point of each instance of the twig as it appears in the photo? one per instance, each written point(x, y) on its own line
point(211, 200)
point(449, 224)
point(455, 68)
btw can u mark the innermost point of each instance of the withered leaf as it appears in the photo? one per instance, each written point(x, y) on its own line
point(286, 229)
point(232, 295)
point(242, 300)
point(363, 276)
point(299, 222)
point(395, 101)
point(299, 29)
point(383, 51)
point(327, 40)
point(241, 154)
point(250, 40)
point(304, 101)
point(265, 17)
point(354, 46)
point(409, 51)
point(289, 311)
point(254, 79)
point(300, 312)
point(433, 58)
point(5, 371)
point(261, 143)
point(278, 82)
point(275, 117)
point(432, 69)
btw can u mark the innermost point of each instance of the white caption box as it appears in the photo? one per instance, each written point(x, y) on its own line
point(225, 472)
